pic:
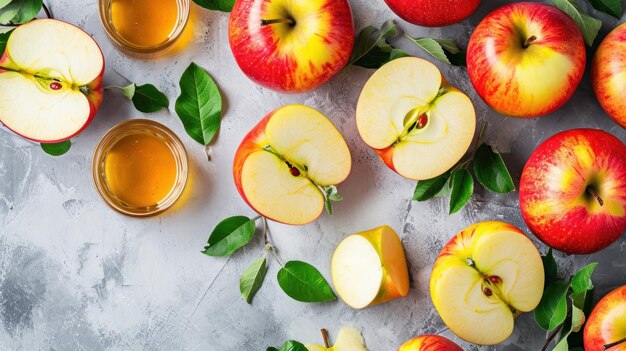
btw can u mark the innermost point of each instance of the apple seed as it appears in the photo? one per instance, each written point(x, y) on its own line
point(55, 86)
point(487, 291)
point(495, 279)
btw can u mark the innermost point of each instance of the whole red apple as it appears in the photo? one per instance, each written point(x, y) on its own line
point(291, 46)
point(430, 343)
point(573, 191)
point(433, 13)
point(605, 329)
point(526, 59)
point(608, 74)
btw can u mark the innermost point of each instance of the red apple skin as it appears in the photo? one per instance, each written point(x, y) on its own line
point(94, 97)
point(433, 13)
point(554, 199)
point(263, 54)
point(430, 343)
point(495, 57)
point(607, 322)
point(608, 74)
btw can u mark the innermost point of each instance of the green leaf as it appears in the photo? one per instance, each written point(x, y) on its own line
point(371, 49)
point(589, 26)
point(611, 7)
point(57, 149)
point(427, 189)
point(552, 308)
point(4, 38)
point(581, 282)
point(147, 98)
point(199, 105)
point(216, 5)
point(252, 278)
point(20, 11)
point(462, 189)
point(4, 3)
point(230, 235)
point(290, 345)
point(549, 267)
point(444, 50)
point(574, 325)
point(491, 171)
point(303, 282)
point(331, 195)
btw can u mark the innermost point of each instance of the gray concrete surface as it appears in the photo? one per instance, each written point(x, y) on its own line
point(75, 275)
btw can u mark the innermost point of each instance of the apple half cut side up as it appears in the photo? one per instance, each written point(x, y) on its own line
point(418, 124)
point(286, 161)
point(370, 268)
point(483, 278)
point(50, 81)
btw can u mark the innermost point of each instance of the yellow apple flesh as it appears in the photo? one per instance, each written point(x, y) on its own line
point(369, 268)
point(348, 339)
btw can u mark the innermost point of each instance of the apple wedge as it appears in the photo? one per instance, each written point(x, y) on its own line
point(50, 81)
point(348, 339)
point(483, 278)
point(369, 268)
point(285, 165)
point(418, 124)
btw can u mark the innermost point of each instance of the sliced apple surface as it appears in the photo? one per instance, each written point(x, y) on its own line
point(348, 339)
point(483, 278)
point(369, 268)
point(50, 77)
point(416, 122)
point(285, 164)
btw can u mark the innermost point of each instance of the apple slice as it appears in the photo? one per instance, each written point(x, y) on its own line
point(369, 268)
point(418, 124)
point(284, 166)
point(483, 278)
point(50, 81)
point(348, 339)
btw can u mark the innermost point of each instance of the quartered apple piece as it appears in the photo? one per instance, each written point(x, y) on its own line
point(50, 80)
point(483, 278)
point(418, 124)
point(369, 268)
point(285, 164)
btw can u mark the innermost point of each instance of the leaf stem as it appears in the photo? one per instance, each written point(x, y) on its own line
point(608, 346)
point(551, 337)
point(268, 243)
point(479, 139)
point(207, 151)
point(46, 10)
point(325, 337)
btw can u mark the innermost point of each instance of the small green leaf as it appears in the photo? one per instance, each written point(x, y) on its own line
point(581, 282)
point(290, 345)
point(371, 49)
point(216, 5)
point(303, 282)
point(589, 26)
point(427, 189)
point(611, 7)
point(549, 267)
point(252, 278)
point(4, 3)
point(4, 38)
point(129, 91)
point(331, 195)
point(199, 105)
point(397, 53)
point(146, 98)
point(573, 326)
point(444, 50)
point(57, 149)
point(462, 189)
point(552, 308)
point(491, 171)
point(230, 235)
point(20, 11)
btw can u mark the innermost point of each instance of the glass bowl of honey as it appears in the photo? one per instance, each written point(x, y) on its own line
point(144, 28)
point(140, 168)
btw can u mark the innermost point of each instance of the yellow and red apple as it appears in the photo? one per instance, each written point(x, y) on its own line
point(483, 278)
point(50, 81)
point(369, 268)
point(430, 343)
point(417, 123)
point(605, 329)
point(433, 13)
point(287, 161)
point(291, 46)
point(608, 74)
point(573, 191)
point(526, 59)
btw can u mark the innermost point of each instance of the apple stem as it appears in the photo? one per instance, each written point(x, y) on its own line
point(551, 337)
point(529, 41)
point(288, 21)
point(325, 337)
point(47, 11)
point(608, 346)
point(594, 193)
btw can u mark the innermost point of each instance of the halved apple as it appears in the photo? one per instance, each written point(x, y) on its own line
point(286, 164)
point(50, 81)
point(418, 124)
point(483, 278)
point(369, 268)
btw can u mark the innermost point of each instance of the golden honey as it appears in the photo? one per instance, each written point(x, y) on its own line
point(145, 23)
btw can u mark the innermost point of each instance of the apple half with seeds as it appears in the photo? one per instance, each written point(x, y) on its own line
point(417, 123)
point(287, 163)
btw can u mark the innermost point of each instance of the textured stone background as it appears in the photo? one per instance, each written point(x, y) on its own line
point(75, 275)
